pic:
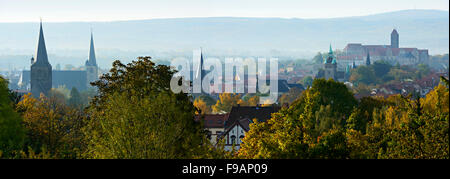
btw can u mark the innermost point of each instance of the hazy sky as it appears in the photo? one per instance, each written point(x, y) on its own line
point(108, 10)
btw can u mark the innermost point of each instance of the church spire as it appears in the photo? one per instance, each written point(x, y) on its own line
point(200, 71)
point(368, 59)
point(331, 50)
point(92, 61)
point(41, 51)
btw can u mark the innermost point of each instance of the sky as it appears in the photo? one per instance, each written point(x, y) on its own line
point(113, 10)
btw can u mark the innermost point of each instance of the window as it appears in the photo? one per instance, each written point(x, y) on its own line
point(233, 139)
point(208, 134)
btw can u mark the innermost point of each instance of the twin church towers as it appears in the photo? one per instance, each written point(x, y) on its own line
point(42, 75)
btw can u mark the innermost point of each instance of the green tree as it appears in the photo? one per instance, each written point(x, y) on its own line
point(312, 127)
point(136, 115)
point(381, 68)
point(75, 100)
point(12, 134)
point(207, 99)
point(422, 71)
point(363, 74)
point(290, 96)
point(87, 96)
point(307, 81)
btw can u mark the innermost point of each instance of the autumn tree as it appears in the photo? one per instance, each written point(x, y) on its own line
point(249, 100)
point(290, 96)
point(51, 126)
point(404, 128)
point(202, 106)
point(312, 127)
point(226, 102)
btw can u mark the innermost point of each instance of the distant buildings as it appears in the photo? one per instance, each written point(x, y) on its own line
point(356, 52)
point(41, 78)
point(330, 69)
point(249, 81)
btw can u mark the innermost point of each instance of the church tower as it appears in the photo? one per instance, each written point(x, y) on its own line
point(394, 39)
point(330, 66)
point(200, 73)
point(41, 70)
point(91, 65)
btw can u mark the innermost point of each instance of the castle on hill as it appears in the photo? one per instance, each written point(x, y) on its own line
point(357, 52)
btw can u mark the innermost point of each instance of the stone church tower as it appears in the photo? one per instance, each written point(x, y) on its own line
point(91, 65)
point(330, 66)
point(41, 70)
point(394, 39)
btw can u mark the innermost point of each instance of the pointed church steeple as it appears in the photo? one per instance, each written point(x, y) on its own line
point(92, 61)
point(331, 50)
point(91, 64)
point(200, 71)
point(330, 59)
point(41, 70)
point(330, 66)
point(41, 51)
point(368, 59)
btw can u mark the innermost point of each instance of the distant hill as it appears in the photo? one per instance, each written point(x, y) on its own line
point(227, 35)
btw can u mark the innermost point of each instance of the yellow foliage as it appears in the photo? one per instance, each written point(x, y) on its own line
point(200, 104)
point(436, 100)
point(226, 102)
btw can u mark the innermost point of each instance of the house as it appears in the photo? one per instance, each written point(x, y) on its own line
point(239, 120)
point(214, 124)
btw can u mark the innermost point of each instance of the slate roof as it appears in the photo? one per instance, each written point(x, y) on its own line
point(239, 113)
point(213, 120)
point(41, 57)
point(92, 61)
point(284, 86)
